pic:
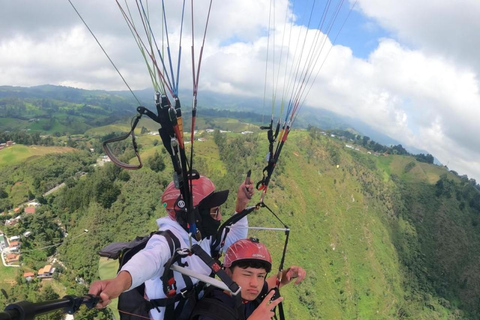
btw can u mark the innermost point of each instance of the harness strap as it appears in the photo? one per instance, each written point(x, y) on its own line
point(216, 268)
point(218, 241)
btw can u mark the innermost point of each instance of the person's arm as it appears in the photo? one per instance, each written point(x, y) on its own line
point(239, 230)
point(111, 288)
point(146, 264)
point(244, 194)
point(294, 272)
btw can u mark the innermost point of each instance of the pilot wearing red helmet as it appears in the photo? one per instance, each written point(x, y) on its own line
point(147, 266)
point(247, 262)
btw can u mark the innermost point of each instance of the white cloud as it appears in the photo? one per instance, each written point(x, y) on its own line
point(421, 88)
point(435, 26)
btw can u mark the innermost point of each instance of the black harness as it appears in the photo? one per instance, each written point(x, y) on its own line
point(178, 304)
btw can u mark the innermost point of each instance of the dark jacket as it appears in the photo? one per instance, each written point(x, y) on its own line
point(217, 305)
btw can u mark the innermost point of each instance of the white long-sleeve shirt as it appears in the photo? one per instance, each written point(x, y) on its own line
point(148, 264)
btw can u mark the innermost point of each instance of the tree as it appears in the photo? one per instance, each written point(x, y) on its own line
point(365, 140)
point(106, 192)
point(156, 162)
point(219, 138)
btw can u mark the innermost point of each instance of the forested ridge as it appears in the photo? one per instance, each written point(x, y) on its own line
point(382, 236)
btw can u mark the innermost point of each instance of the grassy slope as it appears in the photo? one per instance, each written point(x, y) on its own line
point(343, 221)
point(17, 154)
point(338, 236)
point(7, 274)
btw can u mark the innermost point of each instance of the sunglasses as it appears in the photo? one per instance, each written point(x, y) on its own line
point(214, 212)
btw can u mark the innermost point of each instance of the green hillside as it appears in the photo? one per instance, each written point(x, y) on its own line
point(381, 237)
point(60, 110)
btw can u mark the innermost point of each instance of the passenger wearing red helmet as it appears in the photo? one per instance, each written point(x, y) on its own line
point(147, 266)
point(247, 262)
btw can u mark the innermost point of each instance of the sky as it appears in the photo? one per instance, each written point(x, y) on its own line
point(409, 69)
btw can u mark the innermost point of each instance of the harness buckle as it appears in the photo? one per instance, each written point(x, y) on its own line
point(184, 293)
point(183, 252)
point(171, 287)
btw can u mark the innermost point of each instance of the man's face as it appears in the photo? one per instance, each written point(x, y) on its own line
point(251, 281)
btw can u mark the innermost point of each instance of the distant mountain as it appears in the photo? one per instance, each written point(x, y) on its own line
point(116, 105)
point(59, 110)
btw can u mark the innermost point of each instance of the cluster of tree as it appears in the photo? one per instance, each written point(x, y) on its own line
point(464, 191)
point(370, 144)
point(441, 224)
point(428, 158)
point(27, 138)
point(32, 179)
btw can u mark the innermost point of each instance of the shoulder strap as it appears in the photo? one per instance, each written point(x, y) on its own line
point(132, 304)
point(172, 240)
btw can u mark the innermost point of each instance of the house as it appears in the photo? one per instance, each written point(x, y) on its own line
point(14, 244)
point(26, 234)
point(33, 204)
point(30, 210)
point(15, 238)
point(28, 276)
point(9, 143)
point(11, 222)
point(12, 257)
point(46, 272)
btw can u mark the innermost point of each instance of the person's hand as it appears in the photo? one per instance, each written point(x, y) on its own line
point(244, 194)
point(110, 289)
point(264, 311)
point(294, 272)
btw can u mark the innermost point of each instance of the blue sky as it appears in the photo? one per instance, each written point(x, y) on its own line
point(351, 29)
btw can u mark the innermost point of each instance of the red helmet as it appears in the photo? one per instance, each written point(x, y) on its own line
point(202, 188)
point(247, 250)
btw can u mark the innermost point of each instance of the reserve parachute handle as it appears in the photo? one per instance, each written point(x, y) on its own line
point(25, 310)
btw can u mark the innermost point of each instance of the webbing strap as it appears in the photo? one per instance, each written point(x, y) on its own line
point(218, 241)
point(114, 159)
point(216, 268)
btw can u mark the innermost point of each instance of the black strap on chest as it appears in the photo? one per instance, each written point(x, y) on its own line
point(185, 306)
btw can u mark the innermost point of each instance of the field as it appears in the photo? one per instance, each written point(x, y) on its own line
point(19, 153)
point(7, 276)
